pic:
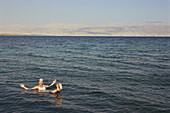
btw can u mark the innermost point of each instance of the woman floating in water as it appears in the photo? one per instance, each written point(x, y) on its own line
point(42, 88)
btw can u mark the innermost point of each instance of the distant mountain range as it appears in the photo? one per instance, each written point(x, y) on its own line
point(69, 29)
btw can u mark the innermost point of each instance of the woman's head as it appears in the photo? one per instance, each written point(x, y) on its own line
point(40, 81)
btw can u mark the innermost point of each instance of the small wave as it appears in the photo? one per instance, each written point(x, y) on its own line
point(36, 56)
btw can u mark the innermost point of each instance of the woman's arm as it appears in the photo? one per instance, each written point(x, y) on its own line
point(23, 86)
point(50, 84)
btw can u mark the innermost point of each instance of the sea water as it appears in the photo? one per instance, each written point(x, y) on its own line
point(99, 74)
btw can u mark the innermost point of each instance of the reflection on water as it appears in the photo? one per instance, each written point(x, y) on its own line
point(23, 91)
point(57, 98)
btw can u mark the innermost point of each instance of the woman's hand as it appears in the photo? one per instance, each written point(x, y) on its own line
point(22, 85)
point(54, 81)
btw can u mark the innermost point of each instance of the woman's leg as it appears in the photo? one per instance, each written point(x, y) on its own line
point(59, 88)
point(55, 90)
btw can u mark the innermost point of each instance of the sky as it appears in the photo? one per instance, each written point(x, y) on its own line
point(83, 11)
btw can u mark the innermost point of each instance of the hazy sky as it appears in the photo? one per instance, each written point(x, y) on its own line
point(83, 11)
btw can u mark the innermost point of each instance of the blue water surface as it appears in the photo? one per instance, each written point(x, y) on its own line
point(99, 74)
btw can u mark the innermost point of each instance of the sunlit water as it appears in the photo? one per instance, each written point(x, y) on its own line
point(98, 83)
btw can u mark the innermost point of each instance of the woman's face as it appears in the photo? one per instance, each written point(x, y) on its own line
point(40, 82)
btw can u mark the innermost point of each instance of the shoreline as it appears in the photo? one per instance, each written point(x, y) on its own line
point(13, 35)
point(80, 35)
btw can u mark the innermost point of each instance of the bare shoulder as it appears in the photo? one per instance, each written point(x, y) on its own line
point(36, 86)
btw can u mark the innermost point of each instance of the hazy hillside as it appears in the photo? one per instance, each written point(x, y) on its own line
point(69, 29)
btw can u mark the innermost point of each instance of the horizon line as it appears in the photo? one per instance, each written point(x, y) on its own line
point(85, 35)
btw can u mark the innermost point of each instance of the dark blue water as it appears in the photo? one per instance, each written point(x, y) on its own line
point(99, 74)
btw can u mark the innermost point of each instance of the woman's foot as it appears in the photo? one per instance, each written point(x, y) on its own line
point(58, 89)
point(60, 86)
